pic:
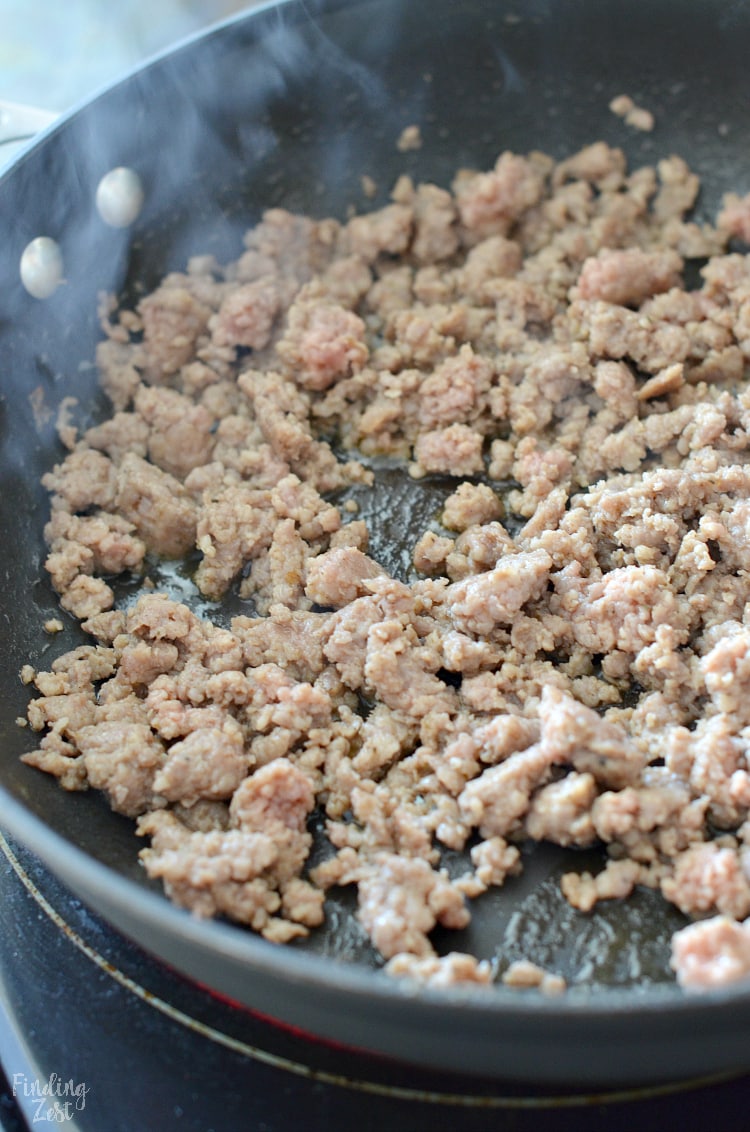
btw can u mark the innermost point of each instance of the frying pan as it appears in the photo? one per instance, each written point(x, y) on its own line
point(289, 106)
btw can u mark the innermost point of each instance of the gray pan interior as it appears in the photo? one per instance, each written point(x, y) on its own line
point(289, 106)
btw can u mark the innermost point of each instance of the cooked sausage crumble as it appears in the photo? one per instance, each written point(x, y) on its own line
point(567, 660)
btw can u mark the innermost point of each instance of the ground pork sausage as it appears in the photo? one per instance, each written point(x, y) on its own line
point(566, 655)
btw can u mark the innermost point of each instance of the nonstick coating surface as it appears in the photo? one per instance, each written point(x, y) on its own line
point(290, 106)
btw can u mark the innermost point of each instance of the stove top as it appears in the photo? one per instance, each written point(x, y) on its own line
point(96, 1030)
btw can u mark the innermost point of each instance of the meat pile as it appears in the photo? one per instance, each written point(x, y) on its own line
point(569, 660)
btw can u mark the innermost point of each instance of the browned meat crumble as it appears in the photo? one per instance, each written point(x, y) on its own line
point(569, 661)
point(633, 115)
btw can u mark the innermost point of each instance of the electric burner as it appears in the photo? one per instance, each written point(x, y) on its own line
point(98, 1035)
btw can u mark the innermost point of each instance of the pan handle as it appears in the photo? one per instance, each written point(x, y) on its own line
point(19, 123)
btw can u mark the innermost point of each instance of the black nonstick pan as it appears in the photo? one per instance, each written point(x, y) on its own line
point(290, 106)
